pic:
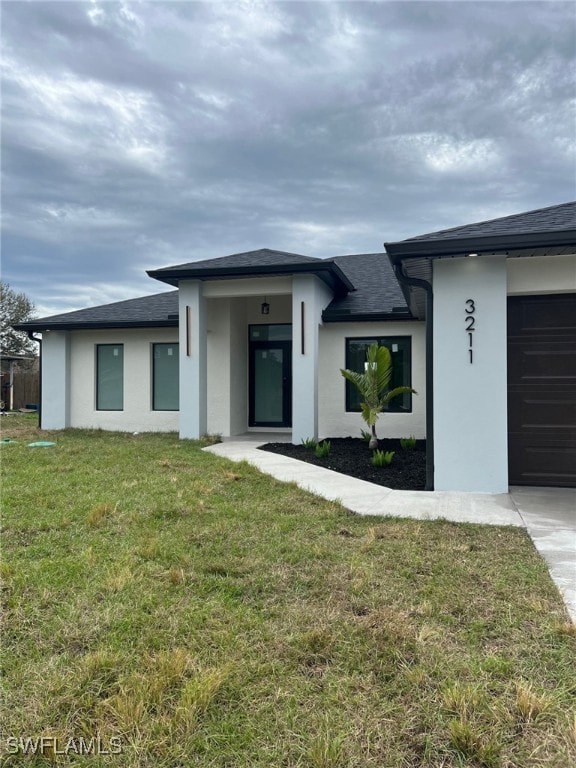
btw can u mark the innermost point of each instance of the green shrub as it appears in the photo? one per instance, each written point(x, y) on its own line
point(309, 442)
point(323, 449)
point(366, 436)
point(382, 458)
point(408, 443)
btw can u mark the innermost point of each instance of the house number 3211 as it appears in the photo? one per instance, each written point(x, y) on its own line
point(470, 322)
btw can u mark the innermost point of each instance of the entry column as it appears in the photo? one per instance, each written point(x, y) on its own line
point(470, 380)
point(193, 359)
point(55, 407)
point(309, 297)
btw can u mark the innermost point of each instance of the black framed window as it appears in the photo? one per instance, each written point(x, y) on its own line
point(109, 377)
point(165, 377)
point(401, 350)
point(268, 332)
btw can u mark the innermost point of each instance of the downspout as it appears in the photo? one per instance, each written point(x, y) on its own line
point(39, 340)
point(417, 282)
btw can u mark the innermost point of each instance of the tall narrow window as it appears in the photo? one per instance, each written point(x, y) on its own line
point(165, 377)
point(109, 377)
point(400, 349)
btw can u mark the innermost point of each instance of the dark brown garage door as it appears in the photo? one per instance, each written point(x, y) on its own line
point(542, 390)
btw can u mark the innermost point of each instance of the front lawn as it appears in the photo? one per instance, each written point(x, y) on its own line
point(202, 614)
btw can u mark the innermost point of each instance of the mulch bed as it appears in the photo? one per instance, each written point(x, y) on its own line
point(351, 456)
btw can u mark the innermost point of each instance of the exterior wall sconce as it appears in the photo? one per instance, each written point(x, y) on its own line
point(265, 307)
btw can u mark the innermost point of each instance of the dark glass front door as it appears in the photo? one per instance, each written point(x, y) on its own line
point(270, 384)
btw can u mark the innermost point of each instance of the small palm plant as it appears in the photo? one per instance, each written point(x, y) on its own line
point(373, 386)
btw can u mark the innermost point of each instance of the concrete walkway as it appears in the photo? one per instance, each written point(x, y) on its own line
point(548, 514)
point(550, 517)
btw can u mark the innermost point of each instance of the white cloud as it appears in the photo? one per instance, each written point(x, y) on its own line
point(316, 238)
point(118, 16)
point(78, 295)
point(86, 116)
point(139, 134)
point(445, 154)
point(81, 216)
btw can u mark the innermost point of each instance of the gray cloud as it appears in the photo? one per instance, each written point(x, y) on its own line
point(138, 135)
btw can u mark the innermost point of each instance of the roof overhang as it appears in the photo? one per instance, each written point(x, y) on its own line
point(349, 317)
point(414, 257)
point(329, 272)
point(551, 243)
point(44, 326)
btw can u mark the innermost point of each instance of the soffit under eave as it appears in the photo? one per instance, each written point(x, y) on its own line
point(421, 268)
point(416, 300)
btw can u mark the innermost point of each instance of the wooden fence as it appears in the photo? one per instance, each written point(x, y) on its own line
point(26, 385)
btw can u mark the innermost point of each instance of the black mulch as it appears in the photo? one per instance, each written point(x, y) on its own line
point(351, 456)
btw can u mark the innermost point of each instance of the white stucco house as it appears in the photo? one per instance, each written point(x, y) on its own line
point(480, 320)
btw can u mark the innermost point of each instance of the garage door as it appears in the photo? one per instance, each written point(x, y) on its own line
point(542, 390)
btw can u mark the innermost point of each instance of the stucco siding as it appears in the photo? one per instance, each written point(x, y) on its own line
point(280, 309)
point(137, 415)
point(309, 297)
point(55, 380)
point(238, 367)
point(218, 361)
point(192, 314)
point(470, 375)
point(334, 421)
point(541, 275)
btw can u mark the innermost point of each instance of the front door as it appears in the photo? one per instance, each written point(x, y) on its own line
point(270, 381)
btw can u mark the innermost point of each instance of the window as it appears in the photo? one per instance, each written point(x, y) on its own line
point(279, 332)
point(109, 377)
point(400, 348)
point(165, 377)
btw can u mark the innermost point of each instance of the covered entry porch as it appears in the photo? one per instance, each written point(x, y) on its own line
point(249, 355)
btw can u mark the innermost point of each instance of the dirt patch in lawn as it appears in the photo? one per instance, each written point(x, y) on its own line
point(351, 456)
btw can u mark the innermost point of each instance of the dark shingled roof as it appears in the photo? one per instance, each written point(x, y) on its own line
point(159, 310)
point(555, 218)
point(261, 263)
point(364, 284)
point(543, 232)
point(378, 295)
point(264, 257)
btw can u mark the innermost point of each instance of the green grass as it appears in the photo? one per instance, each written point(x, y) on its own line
point(208, 615)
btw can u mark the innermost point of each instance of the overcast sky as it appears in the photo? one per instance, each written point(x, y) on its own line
point(138, 135)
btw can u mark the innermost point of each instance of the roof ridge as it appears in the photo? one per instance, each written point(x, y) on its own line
point(275, 250)
point(214, 259)
point(366, 253)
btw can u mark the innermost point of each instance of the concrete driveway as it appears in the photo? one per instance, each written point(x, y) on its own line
point(550, 518)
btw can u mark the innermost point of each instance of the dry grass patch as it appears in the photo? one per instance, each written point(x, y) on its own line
point(100, 513)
